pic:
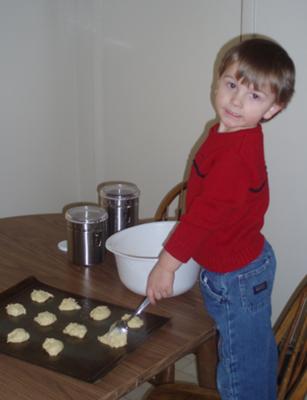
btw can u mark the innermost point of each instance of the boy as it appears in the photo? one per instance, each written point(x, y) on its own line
point(227, 197)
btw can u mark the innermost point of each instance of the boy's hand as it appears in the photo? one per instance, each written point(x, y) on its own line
point(161, 278)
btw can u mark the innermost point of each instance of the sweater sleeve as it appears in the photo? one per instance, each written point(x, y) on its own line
point(222, 191)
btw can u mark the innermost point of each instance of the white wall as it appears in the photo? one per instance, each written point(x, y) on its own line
point(50, 111)
point(157, 73)
point(96, 90)
point(37, 102)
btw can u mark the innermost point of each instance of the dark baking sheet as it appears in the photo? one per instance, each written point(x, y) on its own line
point(86, 359)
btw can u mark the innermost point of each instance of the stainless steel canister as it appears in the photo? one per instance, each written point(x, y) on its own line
point(121, 200)
point(86, 234)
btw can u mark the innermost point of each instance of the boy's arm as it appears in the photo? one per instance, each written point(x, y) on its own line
point(161, 278)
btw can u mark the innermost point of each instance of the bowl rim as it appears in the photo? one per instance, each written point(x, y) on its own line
point(135, 257)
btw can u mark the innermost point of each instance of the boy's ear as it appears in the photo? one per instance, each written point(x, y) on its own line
point(275, 109)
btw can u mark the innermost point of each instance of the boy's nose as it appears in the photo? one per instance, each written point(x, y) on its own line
point(237, 99)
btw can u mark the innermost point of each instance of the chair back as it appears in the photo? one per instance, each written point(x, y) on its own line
point(163, 210)
point(291, 338)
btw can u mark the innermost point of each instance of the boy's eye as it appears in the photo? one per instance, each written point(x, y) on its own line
point(231, 85)
point(255, 96)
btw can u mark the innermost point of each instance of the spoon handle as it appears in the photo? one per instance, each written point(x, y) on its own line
point(142, 306)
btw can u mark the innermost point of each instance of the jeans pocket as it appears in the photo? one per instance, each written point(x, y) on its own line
point(256, 285)
point(210, 288)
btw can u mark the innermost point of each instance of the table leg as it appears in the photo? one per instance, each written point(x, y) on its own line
point(166, 376)
point(206, 361)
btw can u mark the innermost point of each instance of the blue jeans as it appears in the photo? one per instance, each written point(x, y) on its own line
point(240, 304)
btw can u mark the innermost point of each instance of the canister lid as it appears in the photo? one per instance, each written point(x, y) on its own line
point(120, 190)
point(86, 214)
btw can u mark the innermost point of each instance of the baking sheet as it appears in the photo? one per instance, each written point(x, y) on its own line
point(86, 359)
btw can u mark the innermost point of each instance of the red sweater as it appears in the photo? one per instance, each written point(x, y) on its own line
point(227, 198)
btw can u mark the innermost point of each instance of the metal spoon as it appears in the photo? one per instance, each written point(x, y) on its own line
point(122, 325)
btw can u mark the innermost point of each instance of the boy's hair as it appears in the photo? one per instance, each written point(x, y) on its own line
point(262, 62)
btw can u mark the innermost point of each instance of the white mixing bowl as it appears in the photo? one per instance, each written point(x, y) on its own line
point(136, 251)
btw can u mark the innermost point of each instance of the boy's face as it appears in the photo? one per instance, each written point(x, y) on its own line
point(240, 106)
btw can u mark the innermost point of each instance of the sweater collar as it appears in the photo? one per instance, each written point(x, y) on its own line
point(256, 129)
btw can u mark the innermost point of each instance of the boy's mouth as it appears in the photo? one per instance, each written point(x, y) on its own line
point(232, 114)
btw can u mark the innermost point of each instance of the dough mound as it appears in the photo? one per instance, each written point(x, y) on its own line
point(135, 322)
point(74, 329)
point(69, 304)
point(100, 313)
point(40, 296)
point(15, 310)
point(45, 318)
point(53, 346)
point(114, 339)
point(18, 335)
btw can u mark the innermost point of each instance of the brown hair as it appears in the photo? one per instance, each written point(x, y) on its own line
point(261, 62)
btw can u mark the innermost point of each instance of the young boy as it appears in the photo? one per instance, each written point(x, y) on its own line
point(227, 198)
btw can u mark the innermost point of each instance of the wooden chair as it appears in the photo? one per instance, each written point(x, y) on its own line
point(291, 337)
point(181, 391)
point(162, 213)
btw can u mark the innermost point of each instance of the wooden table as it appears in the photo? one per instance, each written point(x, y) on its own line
point(28, 247)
